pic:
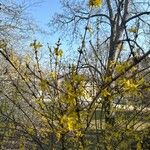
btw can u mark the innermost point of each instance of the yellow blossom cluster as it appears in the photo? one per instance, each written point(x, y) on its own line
point(53, 75)
point(105, 93)
point(95, 3)
point(133, 30)
point(36, 45)
point(15, 59)
point(131, 86)
point(74, 88)
point(68, 122)
point(58, 52)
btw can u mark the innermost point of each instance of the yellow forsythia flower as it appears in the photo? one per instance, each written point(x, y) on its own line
point(133, 30)
point(105, 93)
point(68, 122)
point(71, 123)
point(58, 52)
point(58, 135)
point(139, 146)
point(53, 75)
point(95, 3)
point(79, 134)
point(119, 68)
point(36, 45)
point(64, 119)
point(130, 85)
point(43, 85)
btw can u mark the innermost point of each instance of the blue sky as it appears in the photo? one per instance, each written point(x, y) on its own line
point(42, 13)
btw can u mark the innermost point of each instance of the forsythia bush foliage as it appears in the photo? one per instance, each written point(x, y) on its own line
point(100, 101)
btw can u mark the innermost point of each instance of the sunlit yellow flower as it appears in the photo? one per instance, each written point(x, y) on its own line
point(105, 93)
point(64, 119)
point(58, 52)
point(40, 103)
point(79, 134)
point(53, 75)
point(130, 85)
point(119, 68)
point(71, 123)
point(58, 135)
point(68, 122)
point(95, 3)
point(133, 30)
point(36, 45)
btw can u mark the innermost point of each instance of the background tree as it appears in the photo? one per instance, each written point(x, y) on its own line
point(16, 24)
